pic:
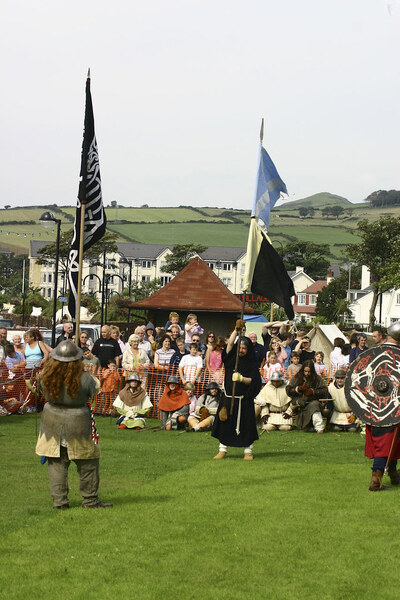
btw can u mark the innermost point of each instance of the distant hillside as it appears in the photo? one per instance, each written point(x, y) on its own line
point(316, 201)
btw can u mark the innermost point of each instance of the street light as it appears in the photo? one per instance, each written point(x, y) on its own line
point(107, 296)
point(125, 261)
point(47, 220)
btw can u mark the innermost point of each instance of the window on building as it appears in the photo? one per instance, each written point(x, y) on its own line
point(313, 299)
point(49, 278)
point(227, 266)
point(110, 263)
point(165, 279)
point(49, 292)
point(211, 265)
point(44, 277)
point(147, 264)
point(301, 299)
point(44, 292)
point(397, 298)
point(242, 269)
point(145, 277)
point(227, 281)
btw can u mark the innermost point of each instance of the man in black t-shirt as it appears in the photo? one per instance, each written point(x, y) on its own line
point(106, 348)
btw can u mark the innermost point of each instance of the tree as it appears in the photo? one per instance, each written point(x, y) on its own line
point(303, 211)
point(312, 257)
point(11, 271)
point(180, 256)
point(330, 296)
point(48, 253)
point(379, 250)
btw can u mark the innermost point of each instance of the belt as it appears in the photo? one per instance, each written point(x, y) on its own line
point(65, 406)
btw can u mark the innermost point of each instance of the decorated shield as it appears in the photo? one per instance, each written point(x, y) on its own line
point(372, 386)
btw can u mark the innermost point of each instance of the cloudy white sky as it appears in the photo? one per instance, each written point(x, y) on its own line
point(179, 88)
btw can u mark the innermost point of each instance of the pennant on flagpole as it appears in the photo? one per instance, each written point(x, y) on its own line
point(90, 195)
point(265, 273)
point(269, 189)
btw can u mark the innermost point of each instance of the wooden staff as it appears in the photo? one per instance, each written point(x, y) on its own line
point(237, 353)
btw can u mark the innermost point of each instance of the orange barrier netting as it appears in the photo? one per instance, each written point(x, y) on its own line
point(16, 397)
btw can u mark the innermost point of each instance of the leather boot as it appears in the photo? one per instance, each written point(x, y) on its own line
point(394, 476)
point(220, 455)
point(376, 482)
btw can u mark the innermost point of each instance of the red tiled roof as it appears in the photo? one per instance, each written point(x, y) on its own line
point(315, 287)
point(307, 309)
point(197, 288)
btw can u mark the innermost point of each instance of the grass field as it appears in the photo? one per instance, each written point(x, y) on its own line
point(151, 215)
point(297, 522)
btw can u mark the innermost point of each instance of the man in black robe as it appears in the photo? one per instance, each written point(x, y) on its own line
point(238, 429)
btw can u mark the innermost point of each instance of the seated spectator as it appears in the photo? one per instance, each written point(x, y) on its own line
point(163, 355)
point(191, 328)
point(259, 349)
point(336, 357)
point(214, 358)
point(319, 366)
point(190, 365)
point(271, 365)
point(15, 361)
point(306, 389)
point(90, 362)
point(362, 345)
point(133, 355)
point(294, 366)
point(116, 335)
point(206, 408)
point(173, 319)
point(341, 419)
point(132, 403)
point(173, 405)
point(272, 403)
point(143, 344)
point(178, 354)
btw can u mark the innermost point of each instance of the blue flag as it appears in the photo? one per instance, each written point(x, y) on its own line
point(268, 190)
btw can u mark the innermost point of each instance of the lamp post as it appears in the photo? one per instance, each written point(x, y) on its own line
point(107, 296)
point(47, 220)
point(125, 261)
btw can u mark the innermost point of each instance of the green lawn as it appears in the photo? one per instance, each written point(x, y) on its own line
point(297, 522)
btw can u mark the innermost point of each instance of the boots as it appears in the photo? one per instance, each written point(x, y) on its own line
point(376, 482)
point(394, 476)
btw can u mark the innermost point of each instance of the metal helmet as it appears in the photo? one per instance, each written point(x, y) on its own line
point(394, 331)
point(66, 351)
point(134, 377)
point(213, 385)
point(173, 379)
point(277, 376)
point(340, 373)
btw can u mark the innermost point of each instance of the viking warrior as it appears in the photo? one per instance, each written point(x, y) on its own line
point(173, 405)
point(306, 389)
point(342, 418)
point(272, 403)
point(235, 422)
point(66, 431)
point(206, 408)
point(132, 403)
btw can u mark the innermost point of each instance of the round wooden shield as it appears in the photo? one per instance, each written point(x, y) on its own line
point(372, 386)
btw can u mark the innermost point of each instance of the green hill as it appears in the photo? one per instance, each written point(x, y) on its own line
point(316, 201)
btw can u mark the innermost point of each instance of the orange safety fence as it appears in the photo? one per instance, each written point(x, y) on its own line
point(16, 397)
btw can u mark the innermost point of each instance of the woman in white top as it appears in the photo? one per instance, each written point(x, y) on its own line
point(163, 355)
point(337, 359)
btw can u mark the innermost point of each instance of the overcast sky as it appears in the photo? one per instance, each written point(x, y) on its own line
point(179, 88)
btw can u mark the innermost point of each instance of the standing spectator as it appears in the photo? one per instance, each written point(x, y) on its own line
point(66, 334)
point(259, 349)
point(116, 335)
point(319, 366)
point(178, 354)
point(173, 319)
point(273, 329)
point(294, 366)
point(83, 342)
point(3, 339)
point(336, 357)
point(163, 355)
point(214, 359)
point(304, 348)
point(134, 356)
point(17, 341)
point(190, 365)
point(35, 351)
point(210, 340)
point(299, 337)
point(174, 333)
point(90, 362)
point(362, 345)
point(196, 340)
point(150, 337)
point(110, 381)
point(15, 361)
point(144, 344)
point(271, 365)
point(277, 346)
point(378, 336)
point(106, 348)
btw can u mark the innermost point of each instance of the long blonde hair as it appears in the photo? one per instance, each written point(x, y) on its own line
point(56, 373)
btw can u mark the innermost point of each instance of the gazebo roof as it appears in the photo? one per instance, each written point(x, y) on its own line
point(195, 288)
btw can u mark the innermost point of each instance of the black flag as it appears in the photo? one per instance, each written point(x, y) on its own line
point(90, 195)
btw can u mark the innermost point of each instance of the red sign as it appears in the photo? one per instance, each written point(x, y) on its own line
point(252, 298)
